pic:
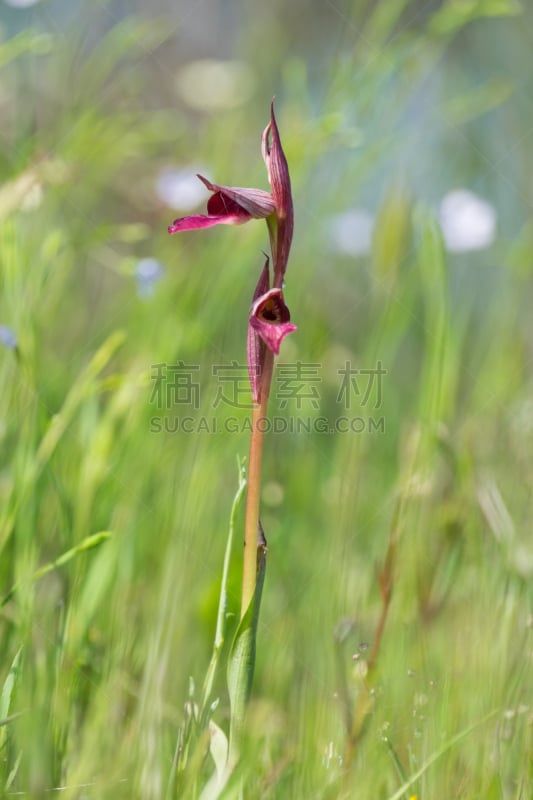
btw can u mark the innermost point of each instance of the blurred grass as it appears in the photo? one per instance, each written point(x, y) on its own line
point(381, 106)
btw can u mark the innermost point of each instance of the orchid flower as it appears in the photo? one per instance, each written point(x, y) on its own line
point(228, 205)
point(269, 319)
point(233, 205)
point(268, 324)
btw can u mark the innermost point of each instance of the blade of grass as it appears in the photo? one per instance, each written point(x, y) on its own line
point(439, 753)
point(87, 544)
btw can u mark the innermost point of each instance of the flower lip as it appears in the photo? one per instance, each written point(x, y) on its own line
point(271, 307)
point(270, 317)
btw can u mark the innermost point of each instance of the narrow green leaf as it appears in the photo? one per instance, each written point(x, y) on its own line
point(440, 368)
point(27, 41)
point(9, 685)
point(479, 100)
point(218, 748)
point(223, 599)
point(396, 761)
point(391, 238)
point(241, 661)
point(87, 544)
point(85, 384)
point(6, 695)
point(440, 752)
point(455, 14)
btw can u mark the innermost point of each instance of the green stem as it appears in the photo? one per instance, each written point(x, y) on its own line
point(253, 495)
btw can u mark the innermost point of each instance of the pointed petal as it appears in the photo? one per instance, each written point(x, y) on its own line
point(263, 284)
point(270, 318)
point(255, 347)
point(255, 356)
point(278, 175)
point(203, 221)
point(256, 202)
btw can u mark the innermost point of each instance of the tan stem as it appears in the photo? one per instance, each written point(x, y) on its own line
point(253, 495)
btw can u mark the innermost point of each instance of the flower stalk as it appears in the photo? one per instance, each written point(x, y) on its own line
point(253, 496)
point(269, 318)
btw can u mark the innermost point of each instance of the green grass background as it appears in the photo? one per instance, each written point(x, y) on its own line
point(385, 106)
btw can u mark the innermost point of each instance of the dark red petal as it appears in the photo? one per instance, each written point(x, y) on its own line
point(263, 284)
point(278, 175)
point(258, 203)
point(219, 205)
point(255, 356)
point(272, 335)
point(255, 347)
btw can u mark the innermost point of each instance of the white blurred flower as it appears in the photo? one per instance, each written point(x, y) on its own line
point(210, 84)
point(33, 198)
point(351, 232)
point(468, 222)
point(21, 3)
point(147, 273)
point(180, 189)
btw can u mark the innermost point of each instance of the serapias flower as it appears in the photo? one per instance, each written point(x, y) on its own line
point(228, 205)
point(233, 205)
point(268, 324)
point(271, 318)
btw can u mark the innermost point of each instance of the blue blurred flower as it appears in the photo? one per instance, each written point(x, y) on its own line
point(8, 337)
point(147, 273)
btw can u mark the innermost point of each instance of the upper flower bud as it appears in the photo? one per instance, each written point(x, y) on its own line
point(233, 205)
point(279, 178)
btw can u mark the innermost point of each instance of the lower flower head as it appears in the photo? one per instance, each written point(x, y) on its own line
point(270, 317)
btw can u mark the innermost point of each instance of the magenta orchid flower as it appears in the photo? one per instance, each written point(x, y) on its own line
point(269, 321)
point(270, 317)
point(228, 205)
point(268, 324)
point(233, 205)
